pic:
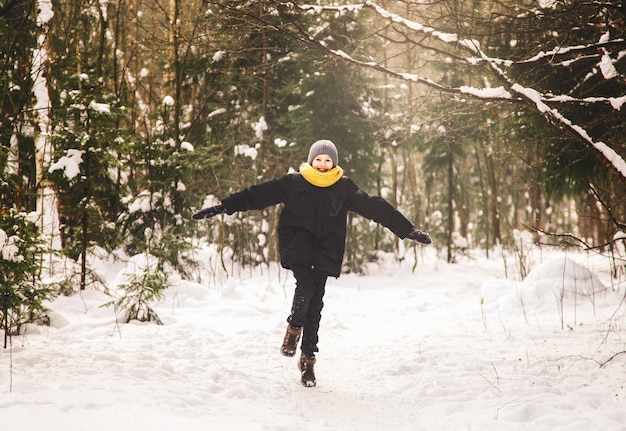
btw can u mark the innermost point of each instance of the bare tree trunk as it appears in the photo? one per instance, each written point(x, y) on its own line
point(462, 207)
point(494, 206)
point(394, 185)
point(46, 195)
point(176, 68)
point(485, 201)
point(83, 249)
point(450, 158)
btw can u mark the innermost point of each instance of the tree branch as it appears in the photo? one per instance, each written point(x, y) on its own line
point(602, 364)
point(596, 194)
point(573, 238)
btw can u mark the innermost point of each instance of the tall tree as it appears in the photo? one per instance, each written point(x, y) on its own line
point(18, 33)
point(47, 205)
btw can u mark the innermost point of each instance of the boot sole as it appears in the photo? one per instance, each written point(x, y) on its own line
point(308, 383)
point(288, 353)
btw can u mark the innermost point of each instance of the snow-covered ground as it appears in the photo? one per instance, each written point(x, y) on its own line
point(447, 347)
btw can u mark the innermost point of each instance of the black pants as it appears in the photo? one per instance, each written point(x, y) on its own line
point(306, 310)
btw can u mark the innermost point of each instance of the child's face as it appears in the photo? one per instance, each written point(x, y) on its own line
point(322, 163)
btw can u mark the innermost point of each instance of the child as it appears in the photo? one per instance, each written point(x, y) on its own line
point(311, 236)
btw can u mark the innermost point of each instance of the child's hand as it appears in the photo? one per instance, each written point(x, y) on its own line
point(209, 212)
point(419, 236)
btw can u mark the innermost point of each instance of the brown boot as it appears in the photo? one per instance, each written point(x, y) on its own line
point(306, 368)
point(290, 342)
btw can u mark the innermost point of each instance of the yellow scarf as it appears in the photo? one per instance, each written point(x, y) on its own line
point(321, 179)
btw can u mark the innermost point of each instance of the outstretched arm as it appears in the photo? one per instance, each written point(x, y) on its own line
point(383, 213)
point(256, 197)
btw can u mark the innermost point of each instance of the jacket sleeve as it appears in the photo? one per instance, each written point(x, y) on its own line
point(258, 196)
point(382, 212)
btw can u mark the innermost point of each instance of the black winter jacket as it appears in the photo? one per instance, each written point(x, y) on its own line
point(312, 224)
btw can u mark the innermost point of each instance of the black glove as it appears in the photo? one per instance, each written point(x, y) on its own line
point(419, 236)
point(209, 212)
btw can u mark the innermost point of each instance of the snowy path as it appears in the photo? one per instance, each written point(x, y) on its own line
point(398, 351)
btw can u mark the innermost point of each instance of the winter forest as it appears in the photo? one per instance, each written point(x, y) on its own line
point(478, 119)
point(494, 125)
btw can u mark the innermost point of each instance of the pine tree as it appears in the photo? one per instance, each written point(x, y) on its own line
point(143, 286)
point(87, 159)
point(22, 292)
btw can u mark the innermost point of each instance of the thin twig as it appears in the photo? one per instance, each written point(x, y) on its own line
point(609, 211)
point(602, 364)
point(10, 364)
point(492, 385)
point(496, 372)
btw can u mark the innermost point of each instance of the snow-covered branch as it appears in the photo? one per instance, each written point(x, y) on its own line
point(511, 90)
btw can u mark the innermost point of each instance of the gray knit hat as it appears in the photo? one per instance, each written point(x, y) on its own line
point(324, 146)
